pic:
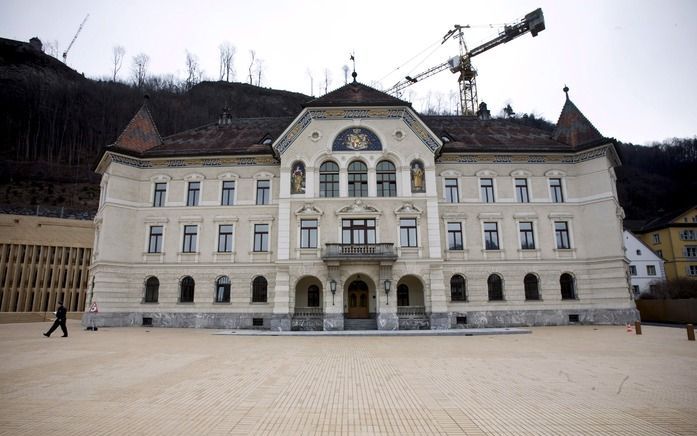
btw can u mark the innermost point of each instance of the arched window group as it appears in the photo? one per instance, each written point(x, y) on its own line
point(385, 172)
point(221, 292)
point(531, 283)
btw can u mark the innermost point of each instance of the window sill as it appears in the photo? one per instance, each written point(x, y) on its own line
point(222, 303)
point(153, 303)
point(459, 301)
point(565, 253)
point(186, 303)
point(188, 257)
point(259, 303)
point(494, 254)
point(153, 257)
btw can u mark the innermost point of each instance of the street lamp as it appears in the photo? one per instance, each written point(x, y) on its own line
point(388, 283)
point(332, 287)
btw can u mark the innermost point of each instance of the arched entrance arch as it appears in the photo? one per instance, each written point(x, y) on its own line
point(359, 297)
point(308, 295)
point(410, 292)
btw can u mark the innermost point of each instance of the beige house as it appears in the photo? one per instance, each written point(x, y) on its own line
point(360, 213)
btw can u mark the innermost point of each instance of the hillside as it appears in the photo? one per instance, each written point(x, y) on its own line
point(54, 121)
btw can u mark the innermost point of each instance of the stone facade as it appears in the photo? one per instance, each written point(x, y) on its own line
point(379, 248)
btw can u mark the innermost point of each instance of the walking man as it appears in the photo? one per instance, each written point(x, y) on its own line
point(60, 321)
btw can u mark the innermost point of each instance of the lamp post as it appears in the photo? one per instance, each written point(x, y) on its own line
point(388, 283)
point(332, 287)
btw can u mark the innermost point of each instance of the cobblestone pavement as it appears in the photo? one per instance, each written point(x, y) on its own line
point(579, 380)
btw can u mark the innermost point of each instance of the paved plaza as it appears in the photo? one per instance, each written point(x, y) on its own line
point(578, 380)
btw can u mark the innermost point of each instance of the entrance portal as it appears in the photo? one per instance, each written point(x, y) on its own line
point(358, 300)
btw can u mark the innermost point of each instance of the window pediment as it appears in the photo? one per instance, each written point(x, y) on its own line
point(451, 173)
point(160, 178)
point(358, 208)
point(194, 177)
point(408, 209)
point(228, 176)
point(309, 209)
point(555, 173)
point(486, 173)
point(521, 173)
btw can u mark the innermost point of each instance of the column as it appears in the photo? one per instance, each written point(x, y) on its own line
point(386, 305)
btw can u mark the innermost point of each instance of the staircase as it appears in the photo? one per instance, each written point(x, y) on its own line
point(360, 324)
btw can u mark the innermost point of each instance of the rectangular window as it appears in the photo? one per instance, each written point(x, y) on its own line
point(632, 270)
point(555, 187)
point(308, 233)
point(692, 270)
point(656, 238)
point(193, 193)
point(407, 232)
point(659, 253)
point(190, 236)
point(358, 231)
point(690, 251)
point(651, 270)
point(521, 191)
point(159, 197)
point(228, 197)
point(491, 236)
point(561, 230)
point(455, 236)
point(635, 290)
point(263, 191)
point(451, 192)
point(487, 188)
point(155, 242)
point(225, 238)
point(527, 238)
point(261, 237)
point(688, 235)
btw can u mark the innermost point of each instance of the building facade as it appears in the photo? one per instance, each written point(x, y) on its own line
point(42, 261)
point(674, 237)
point(645, 267)
point(360, 210)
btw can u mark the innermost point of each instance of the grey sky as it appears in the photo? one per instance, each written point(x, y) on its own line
point(630, 64)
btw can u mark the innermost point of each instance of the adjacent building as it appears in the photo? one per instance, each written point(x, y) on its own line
point(645, 267)
point(673, 237)
point(44, 260)
point(360, 213)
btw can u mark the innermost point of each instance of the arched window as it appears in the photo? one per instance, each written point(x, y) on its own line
point(458, 289)
point(386, 179)
point(532, 287)
point(495, 287)
point(259, 290)
point(152, 290)
point(357, 179)
point(187, 290)
point(402, 295)
point(329, 179)
point(566, 281)
point(313, 296)
point(222, 290)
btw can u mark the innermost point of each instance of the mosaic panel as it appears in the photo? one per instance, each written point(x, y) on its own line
point(356, 139)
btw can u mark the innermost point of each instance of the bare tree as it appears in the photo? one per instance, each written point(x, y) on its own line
point(118, 53)
point(327, 79)
point(227, 66)
point(252, 55)
point(193, 71)
point(140, 68)
point(346, 70)
point(312, 82)
point(51, 49)
point(258, 70)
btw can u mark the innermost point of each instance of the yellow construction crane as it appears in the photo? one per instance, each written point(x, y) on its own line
point(65, 53)
point(534, 22)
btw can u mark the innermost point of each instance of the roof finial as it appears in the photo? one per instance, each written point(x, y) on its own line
point(354, 74)
point(566, 91)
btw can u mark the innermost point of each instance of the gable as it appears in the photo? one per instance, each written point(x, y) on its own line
point(294, 131)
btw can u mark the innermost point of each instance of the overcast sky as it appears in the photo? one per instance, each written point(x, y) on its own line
point(630, 65)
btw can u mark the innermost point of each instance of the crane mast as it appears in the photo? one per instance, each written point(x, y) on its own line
point(533, 22)
point(65, 53)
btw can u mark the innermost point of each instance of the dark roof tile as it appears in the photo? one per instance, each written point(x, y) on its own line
point(573, 127)
point(140, 134)
point(356, 94)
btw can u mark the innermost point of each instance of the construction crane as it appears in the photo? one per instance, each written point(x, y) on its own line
point(65, 53)
point(533, 22)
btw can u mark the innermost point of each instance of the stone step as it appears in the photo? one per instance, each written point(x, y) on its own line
point(360, 324)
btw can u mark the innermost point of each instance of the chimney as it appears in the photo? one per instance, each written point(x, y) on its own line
point(225, 117)
point(483, 113)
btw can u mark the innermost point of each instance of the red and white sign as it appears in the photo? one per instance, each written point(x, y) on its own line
point(93, 308)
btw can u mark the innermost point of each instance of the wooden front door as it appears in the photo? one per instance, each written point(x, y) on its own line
point(358, 300)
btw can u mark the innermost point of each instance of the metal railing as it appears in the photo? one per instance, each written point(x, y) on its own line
point(411, 311)
point(359, 251)
point(309, 312)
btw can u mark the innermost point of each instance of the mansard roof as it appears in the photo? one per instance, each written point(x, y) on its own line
point(356, 94)
point(140, 134)
point(234, 136)
point(469, 134)
point(573, 128)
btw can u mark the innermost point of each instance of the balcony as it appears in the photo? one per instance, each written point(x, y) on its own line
point(348, 252)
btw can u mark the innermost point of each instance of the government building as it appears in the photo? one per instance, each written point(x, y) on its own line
point(359, 213)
